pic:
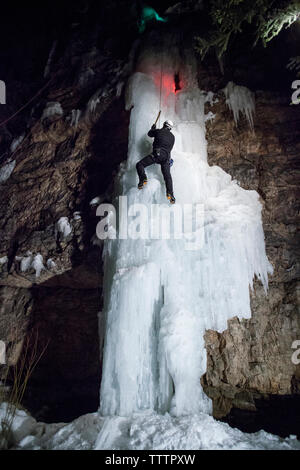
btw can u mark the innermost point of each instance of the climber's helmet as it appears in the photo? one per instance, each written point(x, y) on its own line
point(168, 124)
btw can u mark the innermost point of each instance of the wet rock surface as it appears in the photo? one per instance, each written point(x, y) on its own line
point(250, 372)
point(51, 271)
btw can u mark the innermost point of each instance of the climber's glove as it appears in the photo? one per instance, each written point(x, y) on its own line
point(153, 127)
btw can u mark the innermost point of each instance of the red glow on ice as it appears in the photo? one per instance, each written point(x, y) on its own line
point(166, 82)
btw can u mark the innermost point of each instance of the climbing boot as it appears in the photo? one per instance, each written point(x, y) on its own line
point(171, 198)
point(142, 183)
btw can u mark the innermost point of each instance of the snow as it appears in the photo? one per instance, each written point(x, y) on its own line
point(6, 170)
point(209, 116)
point(151, 431)
point(93, 102)
point(209, 98)
point(2, 92)
point(142, 431)
point(64, 226)
point(32, 262)
point(26, 262)
point(77, 215)
point(95, 201)
point(240, 100)
point(53, 108)
point(50, 264)
point(159, 295)
point(120, 86)
point(37, 264)
point(3, 260)
point(22, 424)
point(28, 434)
point(75, 116)
point(16, 142)
point(114, 86)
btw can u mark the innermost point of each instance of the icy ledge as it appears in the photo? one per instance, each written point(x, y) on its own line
point(143, 431)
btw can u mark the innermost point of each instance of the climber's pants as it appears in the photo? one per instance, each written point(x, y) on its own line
point(163, 161)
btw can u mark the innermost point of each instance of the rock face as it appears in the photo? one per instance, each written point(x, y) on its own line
point(251, 362)
point(50, 269)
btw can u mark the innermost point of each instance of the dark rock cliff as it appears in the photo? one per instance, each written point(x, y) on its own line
point(74, 137)
point(250, 365)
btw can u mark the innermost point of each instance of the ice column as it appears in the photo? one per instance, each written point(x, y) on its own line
point(161, 294)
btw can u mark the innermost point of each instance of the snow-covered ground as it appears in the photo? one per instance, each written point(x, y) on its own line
point(143, 431)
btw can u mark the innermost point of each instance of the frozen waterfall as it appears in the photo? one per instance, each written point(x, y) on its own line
point(160, 295)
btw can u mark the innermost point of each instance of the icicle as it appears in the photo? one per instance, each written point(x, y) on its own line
point(240, 99)
point(50, 264)
point(50, 57)
point(64, 227)
point(32, 262)
point(37, 264)
point(16, 142)
point(3, 260)
point(53, 108)
point(26, 262)
point(75, 116)
point(6, 170)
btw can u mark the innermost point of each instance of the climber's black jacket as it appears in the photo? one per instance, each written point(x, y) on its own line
point(163, 139)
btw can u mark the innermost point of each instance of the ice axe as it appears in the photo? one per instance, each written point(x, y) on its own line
point(157, 118)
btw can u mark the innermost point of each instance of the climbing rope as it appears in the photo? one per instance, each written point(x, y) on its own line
point(161, 72)
point(30, 101)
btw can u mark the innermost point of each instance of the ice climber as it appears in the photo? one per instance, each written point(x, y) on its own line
point(163, 143)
